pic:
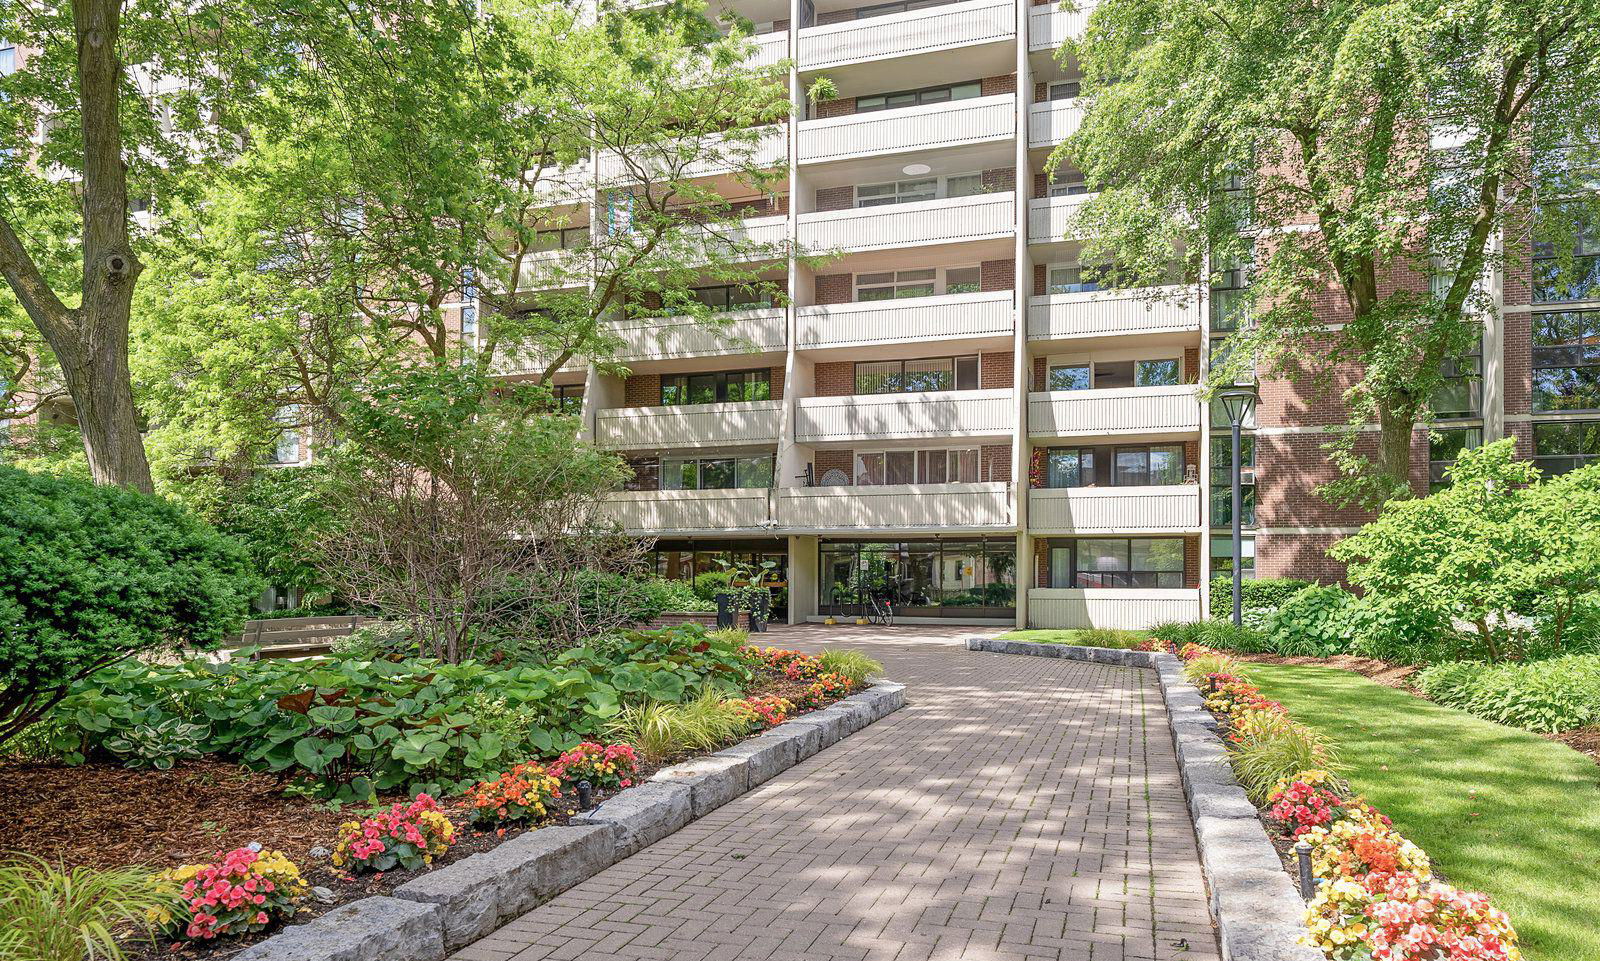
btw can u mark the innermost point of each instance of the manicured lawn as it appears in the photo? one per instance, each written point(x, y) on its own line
point(1078, 638)
point(1499, 810)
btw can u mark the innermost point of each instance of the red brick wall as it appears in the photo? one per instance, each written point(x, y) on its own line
point(826, 460)
point(1289, 469)
point(1191, 562)
point(994, 462)
point(836, 16)
point(776, 376)
point(998, 274)
point(835, 378)
point(995, 86)
point(1040, 370)
point(842, 107)
point(836, 198)
point(995, 369)
point(1041, 563)
point(1000, 179)
point(1191, 365)
point(1518, 364)
point(1041, 91)
point(1041, 186)
point(835, 289)
point(642, 390)
point(1040, 280)
point(1298, 555)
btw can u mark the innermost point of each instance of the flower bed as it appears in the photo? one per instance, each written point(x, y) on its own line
point(1377, 896)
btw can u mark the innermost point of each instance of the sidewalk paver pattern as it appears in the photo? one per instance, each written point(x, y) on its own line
point(1016, 808)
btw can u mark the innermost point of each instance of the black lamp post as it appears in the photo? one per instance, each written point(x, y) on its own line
point(1237, 401)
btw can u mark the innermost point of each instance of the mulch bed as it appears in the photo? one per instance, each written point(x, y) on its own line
point(102, 815)
point(1584, 741)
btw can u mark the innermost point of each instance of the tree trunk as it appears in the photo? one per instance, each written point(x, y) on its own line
point(1394, 448)
point(94, 364)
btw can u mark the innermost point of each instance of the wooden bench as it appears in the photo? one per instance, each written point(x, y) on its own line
point(294, 636)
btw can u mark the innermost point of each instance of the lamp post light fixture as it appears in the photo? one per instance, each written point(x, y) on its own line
point(1237, 401)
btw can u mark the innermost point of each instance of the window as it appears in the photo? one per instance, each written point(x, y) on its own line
point(1222, 480)
point(8, 58)
point(716, 473)
point(1222, 556)
point(567, 398)
point(915, 98)
point(1560, 446)
point(563, 238)
point(1444, 446)
point(897, 284)
point(723, 386)
point(928, 578)
point(901, 376)
point(1566, 360)
point(1228, 297)
point(731, 297)
point(900, 6)
point(287, 449)
point(1067, 183)
point(1069, 467)
point(1076, 278)
point(1459, 395)
point(1145, 466)
point(916, 467)
point(1099, 562)
point(1578, 278)
point(924, 188)
point(1106, 374)
point(1066, 89)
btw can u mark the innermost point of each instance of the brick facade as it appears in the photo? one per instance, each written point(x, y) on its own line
point(998, 275)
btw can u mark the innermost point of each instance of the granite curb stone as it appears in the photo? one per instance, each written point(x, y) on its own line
point(442, 910)
point(1258, 913)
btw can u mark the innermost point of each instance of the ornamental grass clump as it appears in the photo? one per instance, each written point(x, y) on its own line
point(1268, 746)
point(53, 913)
point(662, 731)
point(523, 794)
point(853, 666)
point(243, 891)
point(407, 835)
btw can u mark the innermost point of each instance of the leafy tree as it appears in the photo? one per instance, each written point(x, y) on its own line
point(1408, 136)
point(90, 575)
point(1497, 545)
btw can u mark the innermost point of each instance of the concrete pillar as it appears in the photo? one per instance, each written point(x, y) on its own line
point(803, 577)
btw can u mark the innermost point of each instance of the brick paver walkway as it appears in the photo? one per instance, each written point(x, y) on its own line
point(1016, 808)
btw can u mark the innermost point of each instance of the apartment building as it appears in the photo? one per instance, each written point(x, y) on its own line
point(950, 409)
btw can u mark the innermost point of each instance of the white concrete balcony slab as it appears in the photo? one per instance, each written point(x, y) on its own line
point(1048, 217)
point(1103, 313)
point(979, 120)
point(1049, 26)
point(1054, 121)
point(755, 238)
point(1127, 609)
point(1117, 410)
point(944, 27)
point(735, 332)
point(664, 512)
point(1162, 509)
point(951, 413)
point(719, 153)
point(689, 425)
point(927, 507)
point(913, 320)
point(978, 217)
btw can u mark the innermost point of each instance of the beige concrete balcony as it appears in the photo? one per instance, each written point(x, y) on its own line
point(669, 338)
point(770, 48)
point(1118, 410)
point(925, 507)
point(1103, 313)
point(978, 217)
point(1049, 26)
point(1160, 509)
point(915, 319)
point(722, 155)
point(1048, 217)
point(1052, 122)
point(1127, 609)
point(953, 413)
point(943, 27)
point(979, 120)
point(689, 425)
point(657, 512)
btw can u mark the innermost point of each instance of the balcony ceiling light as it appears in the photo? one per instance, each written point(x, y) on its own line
point(915, 170)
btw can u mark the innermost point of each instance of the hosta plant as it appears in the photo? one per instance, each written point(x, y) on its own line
point(609, 766)
point(159, 745)
point(407, 835)
point(243, 891)
point(523, 793)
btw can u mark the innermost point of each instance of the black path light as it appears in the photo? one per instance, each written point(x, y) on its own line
point(1237, 401)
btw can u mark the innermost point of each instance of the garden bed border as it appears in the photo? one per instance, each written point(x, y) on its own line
point(441, 911)
point(1257, 911)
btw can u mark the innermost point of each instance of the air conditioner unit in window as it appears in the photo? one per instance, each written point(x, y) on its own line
point(1247, 476)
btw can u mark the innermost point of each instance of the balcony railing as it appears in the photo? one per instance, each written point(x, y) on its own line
point(757, 238)
point(1103, 312)
point(932, 507)
point(978, 120)
point(1117, 410)
point(953, 413)
point(1115, 510)
point(1125, 608)
point(735, 332)
point(690, 425)
point(657, 512)
point(1049, 26)
point(1052, 122)
point(977, 217)
point(770, 48)
point(899, 35)
point(914, 319)
point(722, 154)
point(1048, 217)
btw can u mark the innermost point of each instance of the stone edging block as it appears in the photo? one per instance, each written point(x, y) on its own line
point(438, 912)
point(1258, 913)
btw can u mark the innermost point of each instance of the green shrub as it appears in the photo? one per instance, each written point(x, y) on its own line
point(1179, 632)
point(1227, 636)
point(1258, 597)
point(1560, 694)
point(670, 596)
point(1314, 622)
point(50, 913)
point(661, 732)
point(91, 574)
point(708, 585)
point(853, 666)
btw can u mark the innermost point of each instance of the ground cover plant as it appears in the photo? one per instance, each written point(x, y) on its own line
point(1559, 694)
point(1510, 814)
